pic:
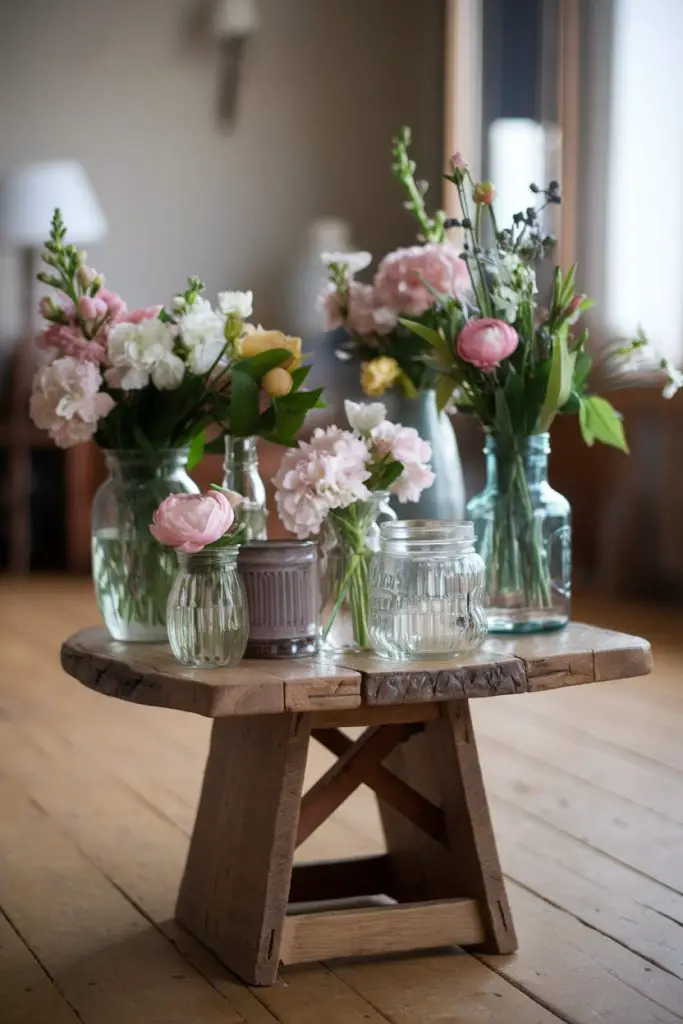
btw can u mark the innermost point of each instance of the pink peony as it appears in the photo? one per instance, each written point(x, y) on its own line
point(362, 316)
point(189, 522)
point(67, 402)
point(398, 285)
point(485, 343)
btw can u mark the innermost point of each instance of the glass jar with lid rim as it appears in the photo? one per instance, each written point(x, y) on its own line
point(427, 586)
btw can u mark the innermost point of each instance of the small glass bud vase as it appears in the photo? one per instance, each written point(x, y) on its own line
point(241, 474)
point(426, 590)
point(207, 620)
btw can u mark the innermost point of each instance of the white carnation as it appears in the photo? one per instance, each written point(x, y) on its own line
point(203, 334)
point(364, 416)
point(168, 373)
point(134, 351)
point(238, 303)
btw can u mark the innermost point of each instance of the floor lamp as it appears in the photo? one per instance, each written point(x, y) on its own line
point(28, 197)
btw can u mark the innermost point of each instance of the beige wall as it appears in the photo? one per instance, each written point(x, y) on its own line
point(117, 85)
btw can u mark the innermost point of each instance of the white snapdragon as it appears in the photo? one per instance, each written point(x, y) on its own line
point(142, 352)
point(353, 261)
point(236, 303)
point(364, 416)
point(203, 333)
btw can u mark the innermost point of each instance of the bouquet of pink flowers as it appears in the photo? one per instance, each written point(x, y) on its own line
point(342, 480)
point(156, 378)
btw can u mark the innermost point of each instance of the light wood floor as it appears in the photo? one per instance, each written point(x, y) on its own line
point(97, 799)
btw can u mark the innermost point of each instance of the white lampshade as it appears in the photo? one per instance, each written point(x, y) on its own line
point(29, 195)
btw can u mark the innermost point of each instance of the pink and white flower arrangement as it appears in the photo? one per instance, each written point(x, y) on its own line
point(338, 481)
point(191, 522)
point(154, 378)
point(338, 468)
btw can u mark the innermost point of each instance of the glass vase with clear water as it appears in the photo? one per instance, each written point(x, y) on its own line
point(350, 537)
point(208, 623)
point(241, 474)
point(132, 571)
point(523, 532)
point(426, 590)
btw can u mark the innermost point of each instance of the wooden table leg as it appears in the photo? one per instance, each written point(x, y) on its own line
point(233, 896)
point(441, 763)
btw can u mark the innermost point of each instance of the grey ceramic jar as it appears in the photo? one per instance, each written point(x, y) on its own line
point(281, 580)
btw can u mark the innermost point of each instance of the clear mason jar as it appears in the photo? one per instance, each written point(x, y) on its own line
point(241, 474)
point(207, 619)
point(524, 535)
point(350, 536)
point(132, 571)
point(426, 590)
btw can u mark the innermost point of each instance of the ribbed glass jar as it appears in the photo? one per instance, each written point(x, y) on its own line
point(207, 620)
point(426, 590)
point(132, 571)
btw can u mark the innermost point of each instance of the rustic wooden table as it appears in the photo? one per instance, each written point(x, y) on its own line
point(440, 882)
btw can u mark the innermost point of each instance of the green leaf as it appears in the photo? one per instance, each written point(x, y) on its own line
point(600, 421)
point(444, 390)
point(503, 419)
point(515, 399)
point(299, 375)
point(427, 334)
point(559, 380)
point(259, 365)
point(244, 404)
point(582, 368)
point(197, 445)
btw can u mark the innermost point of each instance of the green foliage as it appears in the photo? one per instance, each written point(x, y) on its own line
point(600, 421)
point(244, 404)
point(560, 380)
point(197, 445)
point(258, 366)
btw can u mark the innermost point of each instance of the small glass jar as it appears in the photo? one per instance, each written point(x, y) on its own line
point(207, 618)
point(426, 590)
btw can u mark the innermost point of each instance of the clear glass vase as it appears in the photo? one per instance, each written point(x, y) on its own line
point(241, 474)
point(350, 537)
point(208, 624)
point(427, 587)
point(132, 571)
point(523, 530)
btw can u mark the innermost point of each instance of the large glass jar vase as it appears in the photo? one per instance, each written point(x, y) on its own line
point(350, 536)
point(241, 474)
point(208, 624)
point(523, 530)
point(132, 571)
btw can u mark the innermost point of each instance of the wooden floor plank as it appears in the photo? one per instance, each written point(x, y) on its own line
point(27, 994)
point(105, 958)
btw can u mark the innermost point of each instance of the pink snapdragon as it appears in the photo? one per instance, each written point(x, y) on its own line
point(398, 284)
point(485, 343)
point(189, 522)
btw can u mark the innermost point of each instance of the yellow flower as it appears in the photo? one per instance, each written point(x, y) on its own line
point(277, 382)
point(379, 374)
point(263, 341)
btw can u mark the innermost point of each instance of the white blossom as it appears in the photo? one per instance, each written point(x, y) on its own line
point(238, 303)
point(203, 334)
point(364, 416)
point(67, 401)
point(135, 351)
point(353, 261)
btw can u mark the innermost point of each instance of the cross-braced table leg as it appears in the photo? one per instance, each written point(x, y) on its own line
point(440, 880)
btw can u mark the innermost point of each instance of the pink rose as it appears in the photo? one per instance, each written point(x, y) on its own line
point(458, 161)
point(189, 522)
point(398, 285)
point(136, 316)
point(485, 343)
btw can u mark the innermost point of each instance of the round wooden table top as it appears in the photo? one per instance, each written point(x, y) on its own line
point(149, 674)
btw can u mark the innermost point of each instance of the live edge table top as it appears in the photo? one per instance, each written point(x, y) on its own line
point(149, 674)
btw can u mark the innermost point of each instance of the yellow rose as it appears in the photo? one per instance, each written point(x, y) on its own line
point(277, 382)
point(264, 341)
point(379, 374)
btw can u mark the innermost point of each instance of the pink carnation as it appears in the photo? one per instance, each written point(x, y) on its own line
point(485, 343)
point(363, 316)
point(405, 445)
point(398, 285)
point(67, 400)
point(189, 522)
